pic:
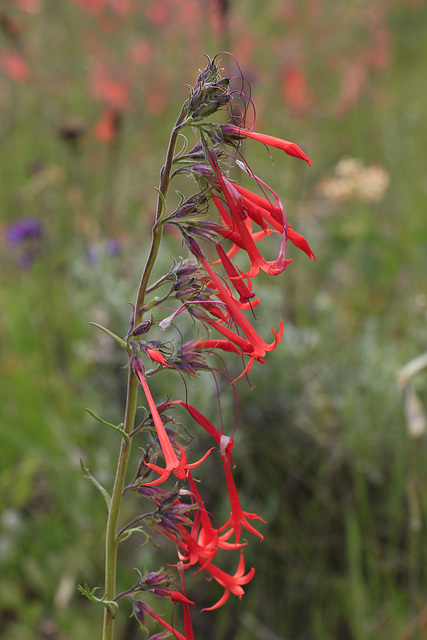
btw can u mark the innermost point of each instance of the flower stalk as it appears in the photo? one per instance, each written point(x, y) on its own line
point(111, 541)
point(218, 295)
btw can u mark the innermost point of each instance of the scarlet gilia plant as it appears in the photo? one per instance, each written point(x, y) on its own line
point(222, 225)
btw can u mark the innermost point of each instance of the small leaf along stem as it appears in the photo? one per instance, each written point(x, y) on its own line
point(111, 542)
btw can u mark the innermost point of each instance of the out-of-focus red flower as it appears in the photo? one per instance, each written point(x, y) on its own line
point(156, 13)
point(113, 91)
point(353, 80)
point(15, 66)
point(156, 100)
point(141, 52)
point(122, 8)
point(108, 125)
point(94, 7)
point(295, 92)
point(28, 6)
point(11, 27)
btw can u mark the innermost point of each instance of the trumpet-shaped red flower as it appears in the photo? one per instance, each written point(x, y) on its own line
point(179, 467)
point(230, 232)
point(238, 213)
point(290, 148)
point(188, 627)
point(242, 289)
point(254, 345)
point(199, 545)
point(141, 608)
point(108, 125)
point(156, 356)
point(271, 214)
point(238, 517)
point(207, 425)
point(231, 583)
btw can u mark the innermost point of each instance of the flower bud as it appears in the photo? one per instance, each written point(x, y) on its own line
point(186, 269)
point(206, 232)
point(142, 328)
point(201, 170)
point(153, 493)
point(206, 109)
point(192, 205)
point(193, 246)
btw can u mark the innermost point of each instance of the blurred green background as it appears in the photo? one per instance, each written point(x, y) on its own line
point(331, 449)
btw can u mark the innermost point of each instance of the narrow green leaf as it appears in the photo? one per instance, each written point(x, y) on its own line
point(119, 341)
point(94, 481)
point(117, 428)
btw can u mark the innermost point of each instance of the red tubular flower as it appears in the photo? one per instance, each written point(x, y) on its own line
point(231, 583)
point(290, 148)
point(238, 518)
point(179, 467)
point(212, 344)
point(207, 425)
point(108, 125)
point(141, 608)
point(188, 627)
point(254, 345)
point(262, 212)
point(237, 210)
point(156, 356)
point(242, 289)
point(228, 231)
point(270, 213)
point(175, 596)
point(201, 544)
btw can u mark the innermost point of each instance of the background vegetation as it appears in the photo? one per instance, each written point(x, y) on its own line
point(88, 92)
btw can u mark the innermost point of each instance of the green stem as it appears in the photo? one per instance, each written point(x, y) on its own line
point(111, 542)
point(157, 231)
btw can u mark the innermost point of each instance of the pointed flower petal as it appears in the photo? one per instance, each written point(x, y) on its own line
point(290, 148)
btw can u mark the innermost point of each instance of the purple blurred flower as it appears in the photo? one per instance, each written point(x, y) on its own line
point(26, 232)
point(113, 247)
point(23, 229)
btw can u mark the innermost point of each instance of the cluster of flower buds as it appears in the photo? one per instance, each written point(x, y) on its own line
point(214, 289)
